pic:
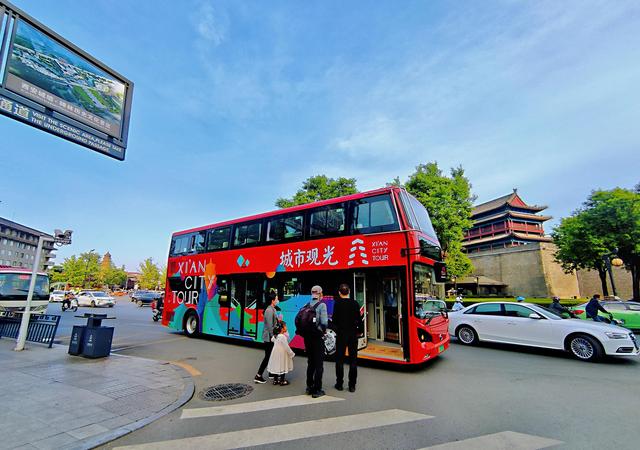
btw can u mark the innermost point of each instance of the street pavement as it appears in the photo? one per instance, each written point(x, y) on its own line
point(490, 396)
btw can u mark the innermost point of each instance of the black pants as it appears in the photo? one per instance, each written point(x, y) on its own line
point(346, 341)
point(314, 346)
point(268, 347)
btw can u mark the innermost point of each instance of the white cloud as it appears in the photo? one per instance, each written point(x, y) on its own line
point(210, 24)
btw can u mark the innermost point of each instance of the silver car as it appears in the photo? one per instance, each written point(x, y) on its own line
point(95, 298)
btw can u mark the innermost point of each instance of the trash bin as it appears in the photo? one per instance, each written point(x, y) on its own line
point(91, 340)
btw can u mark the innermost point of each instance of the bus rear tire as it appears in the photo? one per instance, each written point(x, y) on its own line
point(190, 325)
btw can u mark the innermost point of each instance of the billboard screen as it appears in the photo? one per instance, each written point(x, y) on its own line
point(43, 70)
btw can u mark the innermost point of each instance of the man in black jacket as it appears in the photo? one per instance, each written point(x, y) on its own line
point(593, 307)
point(346, 323)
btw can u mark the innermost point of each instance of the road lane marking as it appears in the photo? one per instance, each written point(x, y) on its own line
point(286, 432)
point(188, 367)
point(262, 405)
point(507, 440)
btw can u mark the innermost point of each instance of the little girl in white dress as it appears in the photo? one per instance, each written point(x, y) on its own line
point(281, 359)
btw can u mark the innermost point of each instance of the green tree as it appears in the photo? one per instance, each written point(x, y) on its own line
point(151, 275)
point(113, 276)
point(580, 246)
point(449, 202)
point(317, 188)
point(395, 182)
point(80, 271)
point(615, 215)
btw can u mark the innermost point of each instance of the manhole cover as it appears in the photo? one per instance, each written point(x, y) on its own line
point(229, 391)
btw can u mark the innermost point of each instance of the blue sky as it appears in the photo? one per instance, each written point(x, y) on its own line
point(235, 103)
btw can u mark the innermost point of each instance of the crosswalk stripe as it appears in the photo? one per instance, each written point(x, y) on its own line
point(507, 440)
point(262, 405)
point(287, 432)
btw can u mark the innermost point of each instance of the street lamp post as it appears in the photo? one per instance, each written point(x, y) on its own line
point(610, 260)
point(60, 238)
point(455, 285)
point(477, 285)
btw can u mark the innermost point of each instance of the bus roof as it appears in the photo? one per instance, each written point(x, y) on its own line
point(291, 209)
point(10, 269)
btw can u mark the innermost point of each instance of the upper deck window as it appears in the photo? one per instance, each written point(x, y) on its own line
point(327, 220)
point(418, 215)
point(284, 228)
point(373, 215)
point(188, 244)
point(247, 234)
point(218, 239)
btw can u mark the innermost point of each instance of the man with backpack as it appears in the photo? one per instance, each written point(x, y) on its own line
point(311, 323)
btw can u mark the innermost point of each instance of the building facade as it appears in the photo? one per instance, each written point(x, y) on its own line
point(18, 245)
point(504, 223)
point(508, 247)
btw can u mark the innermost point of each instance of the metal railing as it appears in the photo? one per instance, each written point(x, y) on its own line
point(42, 327)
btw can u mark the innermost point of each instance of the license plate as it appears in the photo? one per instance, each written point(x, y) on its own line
point(441, 349)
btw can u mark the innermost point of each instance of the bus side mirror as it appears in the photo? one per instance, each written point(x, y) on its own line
point(440, 269)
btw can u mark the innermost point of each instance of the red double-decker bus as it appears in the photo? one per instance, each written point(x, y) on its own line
point(379, 242)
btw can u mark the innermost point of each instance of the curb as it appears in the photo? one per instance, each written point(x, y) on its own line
point(100, 439)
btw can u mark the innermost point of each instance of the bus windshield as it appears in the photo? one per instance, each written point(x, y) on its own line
point(15, 286)
point(426, 302)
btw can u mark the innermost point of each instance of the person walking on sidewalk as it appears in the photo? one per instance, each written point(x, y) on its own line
point(314, 344)
point(346, 323)
point(270, 320)
point(281, 359)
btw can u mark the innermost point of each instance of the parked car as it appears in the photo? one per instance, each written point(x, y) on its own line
point(146, 297)
point(536, 326)
point(628, 313)
point(95, 298)
point(57, 295)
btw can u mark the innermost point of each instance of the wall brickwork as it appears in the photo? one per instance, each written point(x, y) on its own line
point(590, 283)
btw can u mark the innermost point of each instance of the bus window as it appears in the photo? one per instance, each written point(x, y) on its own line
point(218, 239)
point(285, 228)
point(180, 245)
point(223, 292)
point(247, 234)
point(373, 215)
point(328, 220)
point(426, 302)
point(197, 245)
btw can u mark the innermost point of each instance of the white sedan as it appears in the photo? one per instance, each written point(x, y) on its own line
point(535, 326)
point(95, 298)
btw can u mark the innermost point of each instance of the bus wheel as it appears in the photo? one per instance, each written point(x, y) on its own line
point(191, 324)
point(466, 335)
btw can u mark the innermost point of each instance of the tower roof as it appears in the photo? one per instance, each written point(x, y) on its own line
point(512, 199)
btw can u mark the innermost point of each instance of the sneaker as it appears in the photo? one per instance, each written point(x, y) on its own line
point(338, 387)
point(308, 391)
point(318, 393)
point(352, 388)
point(284, 383)
point(271, 376)
point(258, 379)
point(276, 382)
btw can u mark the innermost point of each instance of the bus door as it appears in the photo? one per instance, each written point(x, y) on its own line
point(243, 319)
point(360, 295)
point(392, 309)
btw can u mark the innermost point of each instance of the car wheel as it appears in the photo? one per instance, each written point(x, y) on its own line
point(466, 335)
point(191, 324)
point(584, 348)
point(110, 306)
point(93, 303)
point(140, 303)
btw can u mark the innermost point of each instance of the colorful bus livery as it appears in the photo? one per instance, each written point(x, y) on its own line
point(219, 275)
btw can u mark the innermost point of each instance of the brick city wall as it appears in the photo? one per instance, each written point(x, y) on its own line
point(528, 270)
point(590, 283)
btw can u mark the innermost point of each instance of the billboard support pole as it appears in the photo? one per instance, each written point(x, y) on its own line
point(24, 325)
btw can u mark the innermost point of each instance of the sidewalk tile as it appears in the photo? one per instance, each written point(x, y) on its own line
point(55, 442)
point(87, 431)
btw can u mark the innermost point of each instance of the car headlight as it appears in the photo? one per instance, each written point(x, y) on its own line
point(614, 335)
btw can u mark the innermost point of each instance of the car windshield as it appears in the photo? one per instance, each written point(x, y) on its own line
point(99, 294)
point(547, 312)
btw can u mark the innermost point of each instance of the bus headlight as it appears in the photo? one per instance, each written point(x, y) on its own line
point(423, 336)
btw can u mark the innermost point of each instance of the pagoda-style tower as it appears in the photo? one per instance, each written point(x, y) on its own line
point(106, 261)
point(505, 222)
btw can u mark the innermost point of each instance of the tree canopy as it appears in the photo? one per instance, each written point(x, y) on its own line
point(609, 221)
point(319, 187)
point(152, 276)
point(449, 201)
point(86, 271)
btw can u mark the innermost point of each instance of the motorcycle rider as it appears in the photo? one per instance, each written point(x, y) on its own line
point(66, 301)
point(559, 309)
point(593, 307)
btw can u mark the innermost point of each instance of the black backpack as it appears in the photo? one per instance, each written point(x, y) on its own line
point(306, 324)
